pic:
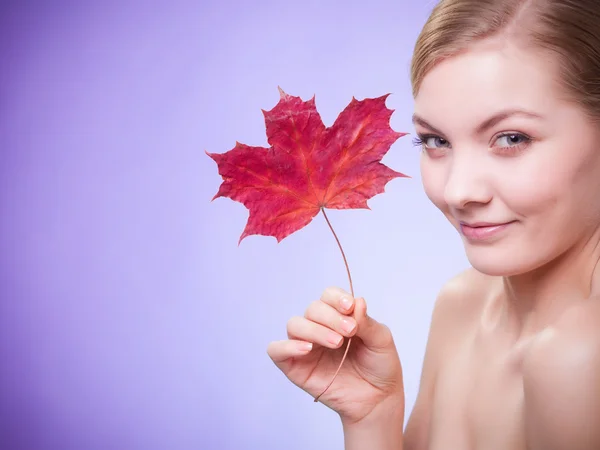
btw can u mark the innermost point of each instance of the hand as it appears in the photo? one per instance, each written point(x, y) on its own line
point(371, 374)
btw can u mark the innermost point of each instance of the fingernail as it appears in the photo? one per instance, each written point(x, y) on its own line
point(306, 346)
point(348, 325)
point(335, 338)
point(346, 303)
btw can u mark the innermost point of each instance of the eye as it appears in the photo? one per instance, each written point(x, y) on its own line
point(512, 139)
point(430, 141)
point(512, 142)
point(434, 146)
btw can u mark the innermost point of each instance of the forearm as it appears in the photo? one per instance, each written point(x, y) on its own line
point(381, 432)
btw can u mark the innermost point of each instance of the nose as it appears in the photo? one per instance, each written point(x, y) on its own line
point(466, 182)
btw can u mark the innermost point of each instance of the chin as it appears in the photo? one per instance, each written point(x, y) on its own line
point(499, 260)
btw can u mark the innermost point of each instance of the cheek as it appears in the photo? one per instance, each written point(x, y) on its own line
point(550, 198)
point(530, 196)
point(557, 177)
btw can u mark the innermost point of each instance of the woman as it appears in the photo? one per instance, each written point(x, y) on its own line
point(507, 109)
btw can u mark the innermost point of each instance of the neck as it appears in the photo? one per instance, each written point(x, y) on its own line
point(536, 299)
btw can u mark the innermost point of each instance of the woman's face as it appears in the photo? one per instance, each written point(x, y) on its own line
point(501, 147)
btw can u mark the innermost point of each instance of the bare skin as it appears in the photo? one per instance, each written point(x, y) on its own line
point(513, 354)
point(486, 387)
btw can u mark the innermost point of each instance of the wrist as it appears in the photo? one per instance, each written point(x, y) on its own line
point(382, 429)
point(391, 407)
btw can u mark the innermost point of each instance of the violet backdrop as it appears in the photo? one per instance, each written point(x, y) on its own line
point(130, 318)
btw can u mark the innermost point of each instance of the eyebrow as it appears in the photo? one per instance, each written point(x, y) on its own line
point(486, 124)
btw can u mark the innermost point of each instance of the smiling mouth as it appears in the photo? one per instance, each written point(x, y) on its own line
point(480, 231)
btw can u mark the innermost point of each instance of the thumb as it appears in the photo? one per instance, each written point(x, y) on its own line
point(374, 334)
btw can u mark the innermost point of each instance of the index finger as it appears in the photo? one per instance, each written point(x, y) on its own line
point(339, 299)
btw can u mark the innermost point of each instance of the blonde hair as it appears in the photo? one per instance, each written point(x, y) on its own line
point(567, 29)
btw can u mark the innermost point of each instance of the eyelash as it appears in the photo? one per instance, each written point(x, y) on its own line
point(420, 140)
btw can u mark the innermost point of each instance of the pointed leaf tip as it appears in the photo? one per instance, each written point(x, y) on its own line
point(242, 237)
point(213, 156)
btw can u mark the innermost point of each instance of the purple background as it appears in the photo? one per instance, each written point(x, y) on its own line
point(130, 318)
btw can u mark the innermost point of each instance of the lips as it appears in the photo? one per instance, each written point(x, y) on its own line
point(482, 224)
point(479, 231)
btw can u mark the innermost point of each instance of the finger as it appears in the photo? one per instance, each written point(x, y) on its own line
point(326, 315)
point(338, 299)
point(280, 351)
point(303, 329)
point(374, 334)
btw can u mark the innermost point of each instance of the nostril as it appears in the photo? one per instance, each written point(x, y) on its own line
point(462, 191)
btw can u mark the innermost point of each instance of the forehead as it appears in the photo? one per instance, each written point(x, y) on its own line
point(491, 75)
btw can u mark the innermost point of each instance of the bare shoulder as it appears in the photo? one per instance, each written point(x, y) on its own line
point(458, 308)
point(462, 298)
point(562, 381)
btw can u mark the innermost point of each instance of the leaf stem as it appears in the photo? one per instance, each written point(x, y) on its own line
point(351, 291)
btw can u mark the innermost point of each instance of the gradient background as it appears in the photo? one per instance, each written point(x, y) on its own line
point(130, 318)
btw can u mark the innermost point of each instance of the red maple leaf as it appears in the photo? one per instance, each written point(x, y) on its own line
point(308, 167)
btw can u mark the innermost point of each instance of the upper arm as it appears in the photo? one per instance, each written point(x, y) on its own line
point(450, 311)
point(562, 385)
